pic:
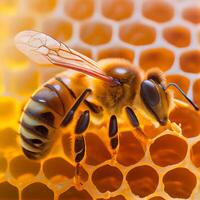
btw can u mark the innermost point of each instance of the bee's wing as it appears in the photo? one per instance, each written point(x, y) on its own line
point(43, 49)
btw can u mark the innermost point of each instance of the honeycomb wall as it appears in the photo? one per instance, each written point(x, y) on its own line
point(149, 33)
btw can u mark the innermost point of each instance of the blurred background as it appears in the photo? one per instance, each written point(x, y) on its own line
point(149, 33)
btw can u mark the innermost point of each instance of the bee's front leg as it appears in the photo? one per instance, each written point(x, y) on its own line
point(135, 123)
point(113, 136)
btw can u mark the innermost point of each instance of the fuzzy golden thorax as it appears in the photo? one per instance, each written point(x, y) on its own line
point(115, 97)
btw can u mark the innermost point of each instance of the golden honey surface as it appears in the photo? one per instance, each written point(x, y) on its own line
point(149, 33)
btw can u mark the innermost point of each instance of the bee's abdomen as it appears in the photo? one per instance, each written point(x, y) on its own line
point(42, 117)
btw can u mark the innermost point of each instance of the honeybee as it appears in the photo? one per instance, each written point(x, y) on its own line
point(116, 86)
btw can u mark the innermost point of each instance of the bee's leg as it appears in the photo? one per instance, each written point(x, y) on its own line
point(93, 107)
point(69, 116)
point(79, 145)
point(135, 123)
point(113, 135)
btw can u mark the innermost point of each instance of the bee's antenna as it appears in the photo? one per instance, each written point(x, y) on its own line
point(181, 91)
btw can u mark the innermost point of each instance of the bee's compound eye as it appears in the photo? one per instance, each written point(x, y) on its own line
point(149, 93)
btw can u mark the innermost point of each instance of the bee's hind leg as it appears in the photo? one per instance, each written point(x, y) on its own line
point(70, 114)
point(113, 136)
point(79, 145)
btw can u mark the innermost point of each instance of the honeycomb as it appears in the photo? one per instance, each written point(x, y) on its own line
point(149, 33)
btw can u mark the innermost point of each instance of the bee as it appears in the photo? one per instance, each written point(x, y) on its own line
point(108, 87)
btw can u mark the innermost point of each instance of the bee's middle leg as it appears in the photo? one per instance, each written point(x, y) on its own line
point(113, 135)
point(79, 145)
point(135, 123)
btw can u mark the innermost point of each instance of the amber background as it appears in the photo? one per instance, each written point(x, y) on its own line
point(149, 33)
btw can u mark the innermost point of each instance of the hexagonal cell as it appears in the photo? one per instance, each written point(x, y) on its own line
point(182, 81)
point(41, 7)
point(21, 23)
point(159, 11)
point(142, 180)
point(15, 59)
point(137, 34)
point(73, 194)
point(8, 191)
point(117, 9)
point(190, 61)
point(29, 77)
point(157, 198)
point(120, 197)
point(9, 7)
point(168, 150)
point(178, 36)
point(59, 29)
point(196, 89)
point(129, 143)
point(96, 151)
point(107, 178)
point(158, 57)
point(116, 52)
point(79, 9)
point(189, 120)
point(195, 154)
point(37, 191)
point(58, 170)
point(3, 165)
point(23, 169)
point(96, 33)
point(192, 14)
point(179, 183)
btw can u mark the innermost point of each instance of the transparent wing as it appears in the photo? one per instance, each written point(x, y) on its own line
point(43, 49)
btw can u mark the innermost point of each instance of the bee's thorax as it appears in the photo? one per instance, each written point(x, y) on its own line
point(115, 97)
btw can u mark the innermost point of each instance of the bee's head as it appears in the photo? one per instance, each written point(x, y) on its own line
point(156, 99)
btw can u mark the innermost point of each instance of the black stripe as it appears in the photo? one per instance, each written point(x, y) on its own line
point(70, 91)
point(52, 88)
point(44, 103)
point(35, 143)
point(83, 122)
point(30, 154)
point(113, 128)
point(132, 117)
point(47, 117)
point(39, 130)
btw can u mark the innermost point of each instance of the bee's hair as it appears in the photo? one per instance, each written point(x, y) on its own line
point(156, 75)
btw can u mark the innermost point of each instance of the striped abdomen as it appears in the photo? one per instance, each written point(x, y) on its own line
point(42, 117)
